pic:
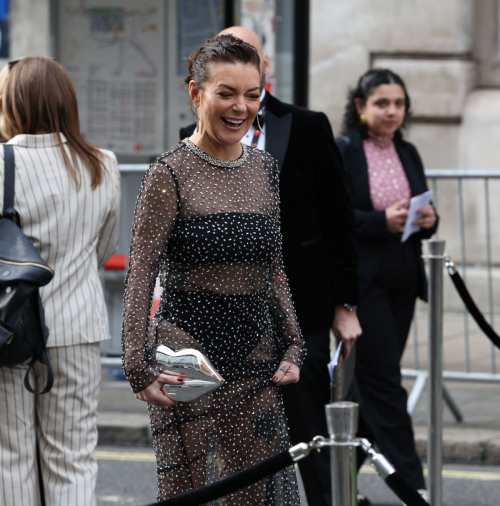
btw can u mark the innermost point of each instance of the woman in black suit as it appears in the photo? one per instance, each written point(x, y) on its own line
point(383, 173)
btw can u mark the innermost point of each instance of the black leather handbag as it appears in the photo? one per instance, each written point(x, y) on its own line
point(23, 334)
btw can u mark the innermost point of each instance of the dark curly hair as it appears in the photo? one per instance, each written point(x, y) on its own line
point(365, 87)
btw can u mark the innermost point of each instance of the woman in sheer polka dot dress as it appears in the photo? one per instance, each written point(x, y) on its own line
point(207, 222)
point(383, 172)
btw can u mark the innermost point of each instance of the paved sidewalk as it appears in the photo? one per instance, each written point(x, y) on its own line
point(477, 437)
point(124, 420)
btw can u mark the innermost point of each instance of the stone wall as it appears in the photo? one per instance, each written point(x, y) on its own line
point(419, 37)
point(29, 28)
point(448, 53)
point(444, 51)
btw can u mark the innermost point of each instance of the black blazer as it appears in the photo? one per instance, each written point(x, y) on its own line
point(316, 217)
point(371, 225)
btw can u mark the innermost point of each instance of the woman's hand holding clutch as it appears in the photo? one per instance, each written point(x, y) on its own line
point(286, 373)
point(155, 393)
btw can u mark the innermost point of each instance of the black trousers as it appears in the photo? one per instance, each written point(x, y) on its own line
point(385, 316)
point(305, 409)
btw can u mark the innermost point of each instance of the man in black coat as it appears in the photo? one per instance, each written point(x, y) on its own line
point(318, 253)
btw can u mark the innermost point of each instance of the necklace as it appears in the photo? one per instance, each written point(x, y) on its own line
point(226, 164)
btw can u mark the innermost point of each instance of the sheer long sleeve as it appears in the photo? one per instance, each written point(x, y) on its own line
point(154, 218)
point(212, 229)
point(281, 300)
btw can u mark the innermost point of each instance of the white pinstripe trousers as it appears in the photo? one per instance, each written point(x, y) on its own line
point(63, 422)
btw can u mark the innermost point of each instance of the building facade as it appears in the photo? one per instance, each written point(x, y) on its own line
point(123, 52)
point(448, 53)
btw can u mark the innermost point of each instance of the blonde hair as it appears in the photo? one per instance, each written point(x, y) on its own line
point(39, 96)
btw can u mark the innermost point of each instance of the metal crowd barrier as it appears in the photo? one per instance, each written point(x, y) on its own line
point(445, 184)
point(131, 177)
point(342, 417)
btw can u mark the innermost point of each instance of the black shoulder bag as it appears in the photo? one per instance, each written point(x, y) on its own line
point(23, 334)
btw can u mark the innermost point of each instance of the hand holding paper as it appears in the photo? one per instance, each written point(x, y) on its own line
point(428, 217)
point(418, 203)
point(336, 360)
point(395, 216)
point(341, 372)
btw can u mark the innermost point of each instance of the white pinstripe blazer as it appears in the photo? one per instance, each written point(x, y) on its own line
point(74, 231)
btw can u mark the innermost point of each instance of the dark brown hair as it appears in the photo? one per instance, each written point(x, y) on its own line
point(367, 84)
point(39, 96)
point(225, 48)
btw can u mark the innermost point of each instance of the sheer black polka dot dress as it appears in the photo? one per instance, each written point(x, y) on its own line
point(210, 229)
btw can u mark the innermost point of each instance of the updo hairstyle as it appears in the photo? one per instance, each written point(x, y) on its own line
point(367, 84)
point(225, 48)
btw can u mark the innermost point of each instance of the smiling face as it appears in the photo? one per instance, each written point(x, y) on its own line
point(227, 103)
point(385, 109)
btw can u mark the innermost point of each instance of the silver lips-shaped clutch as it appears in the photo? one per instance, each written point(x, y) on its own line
point(201, 376)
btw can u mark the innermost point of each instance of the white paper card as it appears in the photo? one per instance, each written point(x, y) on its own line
point(418, 202)
point(334, 362)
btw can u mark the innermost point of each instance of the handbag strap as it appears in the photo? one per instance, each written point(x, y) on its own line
point(43, 357)
point(9, 181)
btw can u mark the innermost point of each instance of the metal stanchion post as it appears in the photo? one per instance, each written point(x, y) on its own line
point(342, 419)
point(435, 427)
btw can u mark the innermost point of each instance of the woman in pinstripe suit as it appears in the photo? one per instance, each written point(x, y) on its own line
point(67, 194)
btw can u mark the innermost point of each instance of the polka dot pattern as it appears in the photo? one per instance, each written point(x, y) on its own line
point(388, 181)
point(211, 231)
